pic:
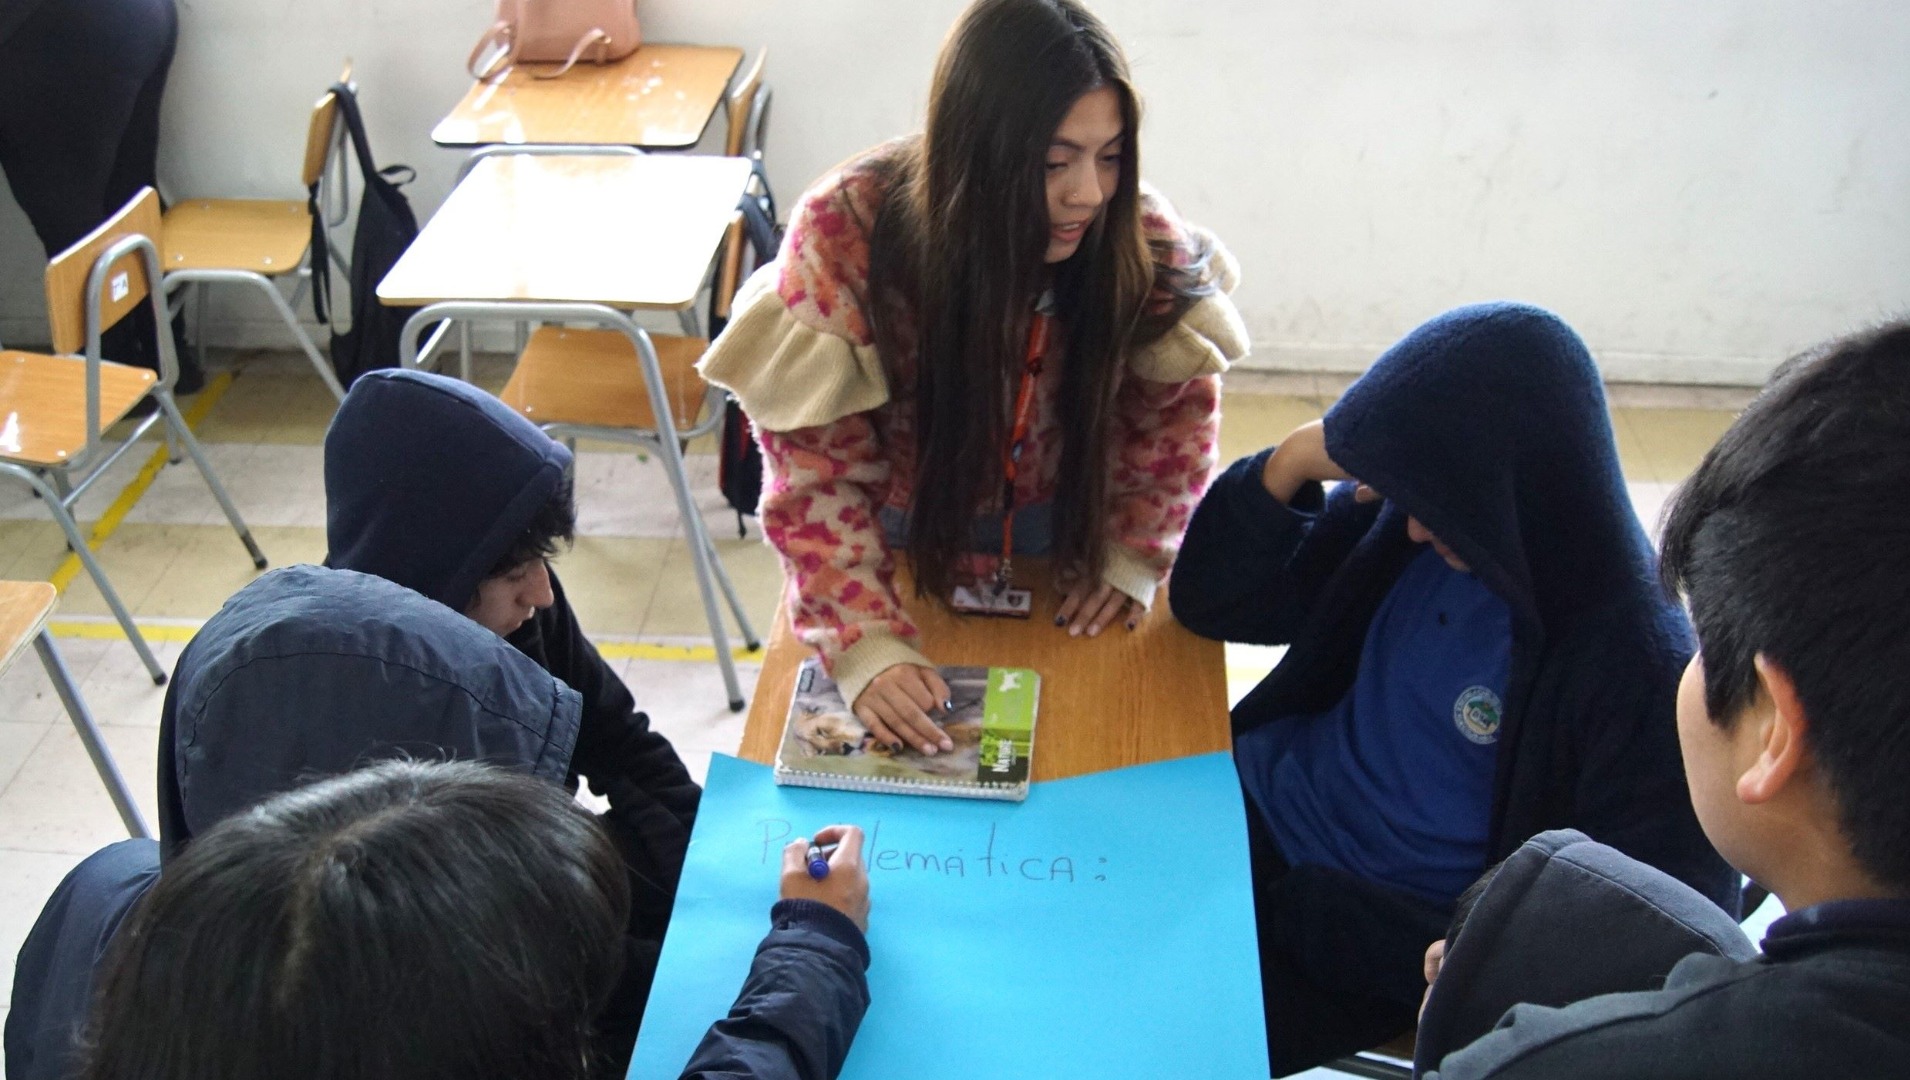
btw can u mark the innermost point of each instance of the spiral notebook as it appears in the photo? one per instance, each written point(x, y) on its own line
point(992, 725)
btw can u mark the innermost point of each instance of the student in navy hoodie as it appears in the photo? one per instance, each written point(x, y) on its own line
point(1792, 543)
point(309, 672)
point(436, 485)
point(1478, 652)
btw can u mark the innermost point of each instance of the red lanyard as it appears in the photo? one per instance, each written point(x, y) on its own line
point(1018, 439)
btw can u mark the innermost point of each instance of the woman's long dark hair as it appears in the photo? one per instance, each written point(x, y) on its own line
point(407, 920)
point(957, 262)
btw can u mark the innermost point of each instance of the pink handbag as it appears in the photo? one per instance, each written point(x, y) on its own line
point(556, 31)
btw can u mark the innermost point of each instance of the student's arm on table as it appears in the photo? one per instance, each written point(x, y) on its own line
point(819, 512)
point(1264, 541)
point(807, 990)
point(1167, 437)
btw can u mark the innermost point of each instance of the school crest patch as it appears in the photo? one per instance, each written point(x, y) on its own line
point(1477, 713)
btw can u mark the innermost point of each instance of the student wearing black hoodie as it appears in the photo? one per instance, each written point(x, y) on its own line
point(438, 486)
point(1478, 653)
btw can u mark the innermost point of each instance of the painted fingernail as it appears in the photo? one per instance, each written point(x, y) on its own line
point(1132, 623)
point(1059, 621)
point(948, 706)
point(895, 748)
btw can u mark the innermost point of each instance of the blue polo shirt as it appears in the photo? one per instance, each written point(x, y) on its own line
point(1394, 783)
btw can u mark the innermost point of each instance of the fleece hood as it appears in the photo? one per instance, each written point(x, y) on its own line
point(310, 672)
point(1565, 919)
point(428, 480)
point(1489, 425)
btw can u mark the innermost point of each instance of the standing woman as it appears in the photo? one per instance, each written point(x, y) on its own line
point(80, 86)
point(981, 341)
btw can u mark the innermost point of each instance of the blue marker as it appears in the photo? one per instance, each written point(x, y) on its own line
point(819, 860)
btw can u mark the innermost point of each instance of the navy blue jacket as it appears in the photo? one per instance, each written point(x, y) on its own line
point(310, 672)
point(1489, 425)
point(428, 481)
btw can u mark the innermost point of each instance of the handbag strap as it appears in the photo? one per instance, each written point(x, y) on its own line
point(500, 30)
point(597, 36)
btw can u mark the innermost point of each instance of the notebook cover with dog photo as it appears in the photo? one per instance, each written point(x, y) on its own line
point(992, 726)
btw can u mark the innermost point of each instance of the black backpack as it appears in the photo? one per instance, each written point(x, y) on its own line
point(739, 464)
point(386, 227)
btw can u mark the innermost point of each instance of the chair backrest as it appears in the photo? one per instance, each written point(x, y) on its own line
point(319, 139)
point(742, 96)
point(124, 286)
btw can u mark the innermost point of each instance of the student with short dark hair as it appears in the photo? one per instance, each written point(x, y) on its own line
point(1792, 544)
point(448, 920)
point(440, 487)
point(1478, 652)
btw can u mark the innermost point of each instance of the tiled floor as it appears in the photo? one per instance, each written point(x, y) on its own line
point(175, 561)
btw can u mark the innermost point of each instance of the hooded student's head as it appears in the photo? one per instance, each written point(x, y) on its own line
point(310, 672)
point(1488, 427)
point(442, 488)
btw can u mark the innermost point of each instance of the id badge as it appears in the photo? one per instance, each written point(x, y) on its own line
point(1003, 603)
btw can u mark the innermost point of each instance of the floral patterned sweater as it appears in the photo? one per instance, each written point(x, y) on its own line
point(799, 354)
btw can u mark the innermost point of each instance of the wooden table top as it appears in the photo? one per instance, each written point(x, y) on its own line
point(623, 230)
point(1124, 698)
point(24, 608)
point(660, 97)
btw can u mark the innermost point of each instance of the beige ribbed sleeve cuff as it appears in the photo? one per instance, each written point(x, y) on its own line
point(1131, 574)
point(877, 652)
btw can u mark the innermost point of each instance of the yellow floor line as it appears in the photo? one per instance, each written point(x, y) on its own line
point(109, 522)
point(106, 629)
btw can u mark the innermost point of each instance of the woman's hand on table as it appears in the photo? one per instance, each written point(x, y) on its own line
point(896, 707)
point(1089, 607)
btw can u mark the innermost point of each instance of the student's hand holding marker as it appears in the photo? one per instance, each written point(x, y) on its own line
point(897, 704)
point(829, 871)
point(1302, 459)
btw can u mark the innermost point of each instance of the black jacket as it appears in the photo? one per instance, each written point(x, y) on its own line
point(428, 481)
point(1489, 425)
point(1830, 997)
point(1562, 920)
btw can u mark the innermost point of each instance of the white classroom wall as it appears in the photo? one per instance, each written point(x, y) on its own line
point(1700, 186)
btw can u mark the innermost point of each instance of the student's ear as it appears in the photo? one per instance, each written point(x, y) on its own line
point(1780, 742)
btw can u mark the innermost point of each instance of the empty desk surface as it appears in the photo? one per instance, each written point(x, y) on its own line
point(626, 231)
point(660, 97)
point(1124, 698)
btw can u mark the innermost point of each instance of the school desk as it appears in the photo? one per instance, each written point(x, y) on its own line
point(1127, 697)
point(585, 238)
point(25, 607)
point(660, 97)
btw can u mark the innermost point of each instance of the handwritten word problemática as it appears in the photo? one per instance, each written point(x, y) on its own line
point(994, 860)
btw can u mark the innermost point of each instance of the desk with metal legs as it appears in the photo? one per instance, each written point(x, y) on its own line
point(582, 238)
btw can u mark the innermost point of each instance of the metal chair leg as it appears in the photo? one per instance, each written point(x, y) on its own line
point(750, 640)
point(702, 556)
point(177, 424)
point(90, 736)
point(77, 542)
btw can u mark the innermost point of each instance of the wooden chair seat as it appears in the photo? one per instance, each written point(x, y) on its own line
point(43, 404)
point(593, 378)
point(24, 607)
point(265, 236)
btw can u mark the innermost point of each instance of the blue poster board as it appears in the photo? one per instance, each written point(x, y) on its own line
point(1103, 928)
